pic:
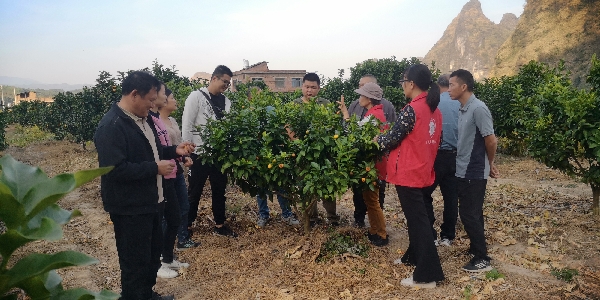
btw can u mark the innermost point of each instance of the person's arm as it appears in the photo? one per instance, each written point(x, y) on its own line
point(344, 109)
point(390, 111)
point(403, 126)
point(190, 113)
point(485, 124)
point(111, 146)
point(491, 143)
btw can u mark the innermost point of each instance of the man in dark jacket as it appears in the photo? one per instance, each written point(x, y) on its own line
point(132, 192)
point(360, 209)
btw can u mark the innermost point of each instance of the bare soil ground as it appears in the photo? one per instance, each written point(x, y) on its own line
point(536, 220)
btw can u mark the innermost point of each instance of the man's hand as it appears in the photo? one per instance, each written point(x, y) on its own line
point(187, 162)
point(494, 173)
point(185, 148)
point(290, 133)
point(343, 108)
point(165, 167)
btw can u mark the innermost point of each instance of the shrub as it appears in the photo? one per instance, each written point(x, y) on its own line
point(29, 211)
point(252, 146)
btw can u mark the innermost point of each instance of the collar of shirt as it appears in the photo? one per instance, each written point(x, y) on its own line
point(132, 116)
point(421, 96)
point(466, 106)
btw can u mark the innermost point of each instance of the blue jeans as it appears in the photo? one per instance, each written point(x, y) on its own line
point(184, 207)
point(263, 208)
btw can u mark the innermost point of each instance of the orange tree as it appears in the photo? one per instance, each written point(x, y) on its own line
point(324, 159)
point(563, 127)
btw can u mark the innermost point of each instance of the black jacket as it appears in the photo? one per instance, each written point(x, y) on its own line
point(130, 188)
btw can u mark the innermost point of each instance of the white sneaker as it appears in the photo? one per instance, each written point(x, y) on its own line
point(176, 265)
point(165, 272)
point(422, 285)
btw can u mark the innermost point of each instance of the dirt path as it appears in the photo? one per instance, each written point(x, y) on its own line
point(536, 220)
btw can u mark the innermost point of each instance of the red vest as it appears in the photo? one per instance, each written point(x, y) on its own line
point(411, 163)
point(381, 165)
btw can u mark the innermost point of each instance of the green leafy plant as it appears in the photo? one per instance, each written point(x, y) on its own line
point(29, 211)
point(493, 275)
point(467, 292)
point(339, 243)
point(564, 274)
point(3, 143)
point(563, 128)
point(323, 160)
point(23, 136)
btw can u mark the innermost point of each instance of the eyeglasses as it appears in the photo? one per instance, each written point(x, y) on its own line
point(402, 81)
point(226, 82)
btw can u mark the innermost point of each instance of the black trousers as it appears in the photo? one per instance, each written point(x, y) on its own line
point(421, 251)
point(172, 217)
point(198, 174)
point(139, 244)
point(445, 170)
point(471, 193)
point(360, 208)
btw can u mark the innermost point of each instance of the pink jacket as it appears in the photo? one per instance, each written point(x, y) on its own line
point(163, 136)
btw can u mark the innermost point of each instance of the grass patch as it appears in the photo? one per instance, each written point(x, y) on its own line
point(340, 243)
point(23, 136)
point(564, 274)
point(493, 275)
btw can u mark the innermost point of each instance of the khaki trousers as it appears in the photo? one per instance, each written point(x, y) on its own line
point(374, 212)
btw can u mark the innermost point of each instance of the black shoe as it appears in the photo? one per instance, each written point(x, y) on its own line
point(359, 223)
point(157, 296)
point(478, 265)
point(225, 231)
point(379, 241)
point(187, 244)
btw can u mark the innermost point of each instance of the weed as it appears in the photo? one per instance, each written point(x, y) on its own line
point(24, 136)
point(338, 244)
point(467, 292)
point(564, 274)
point(493, 275)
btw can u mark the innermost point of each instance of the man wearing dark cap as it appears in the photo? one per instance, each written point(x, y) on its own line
point(360, 209)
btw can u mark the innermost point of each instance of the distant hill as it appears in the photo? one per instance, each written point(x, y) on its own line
point(551, 30)
point(27, 83)
point(471, 41)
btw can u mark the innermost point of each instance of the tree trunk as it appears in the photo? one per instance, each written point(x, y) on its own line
point(306, 217)
point(596, 195)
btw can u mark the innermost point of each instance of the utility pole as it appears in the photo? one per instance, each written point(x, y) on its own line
point(2, 101)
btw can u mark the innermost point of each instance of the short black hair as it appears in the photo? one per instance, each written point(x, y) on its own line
point(221, 70)
point(141, 81)
point(420, 75)
point(465, 77)
point(312, 77)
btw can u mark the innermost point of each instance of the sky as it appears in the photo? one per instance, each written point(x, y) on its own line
point(72, 41)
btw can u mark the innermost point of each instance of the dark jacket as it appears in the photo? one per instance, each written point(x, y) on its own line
point(388, 110)
point(130, 188)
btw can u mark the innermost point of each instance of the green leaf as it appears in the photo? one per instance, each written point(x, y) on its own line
point(85, 176)
point(83, 294)
point(315, 165)
point(12, 212)
point(36, 264)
